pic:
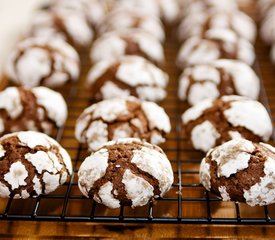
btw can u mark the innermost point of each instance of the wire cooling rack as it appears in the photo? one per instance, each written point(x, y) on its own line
point(187, 201)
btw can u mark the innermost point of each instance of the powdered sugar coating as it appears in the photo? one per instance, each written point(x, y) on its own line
point(121, 19)
point(204, 136)
point(54, 104)
point(237, 157)
point(135, 73)
point(232, 156)
point(237, 21)
point(196, 111)
point(92, 169)
point(138, 190)
point(36, 59)
point(224, 194)
point(43, 161)
point(237, 117)
point(203, 81)
point(94, 126)
point(143, 173)
point(113, 45)
point(10, 101)
point(263, 193)
point(240, 114)
point(197, 50)
point(73, 26)
point(156, 164)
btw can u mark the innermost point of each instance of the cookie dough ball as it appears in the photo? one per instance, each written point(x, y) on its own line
point(122, 118)
point(37, 109)
point(237, 21)
point(31, 164)
point(210, 123)
point(218, 78)
point(126, 172)
point(129, 75)
point(94, 10)
point(69, 25)
point(37, 61)
point(123, 20)
point(215, 44)
point(240, 171)
point(113, 45)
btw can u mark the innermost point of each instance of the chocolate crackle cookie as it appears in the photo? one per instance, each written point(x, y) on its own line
point(128, 75)
point(237, 21)
point(68, 24)
point(31, 164)
point(122, 118)
point(218, 78)
point(37, 61)
point(113, 45)
point(123, 20)
point(240, 171)
point(38, 109)
point(210, 123)
point(126, 172)
point(215, 44)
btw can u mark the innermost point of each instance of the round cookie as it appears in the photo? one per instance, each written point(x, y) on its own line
point(123, 20)
point(218, 78)
point(128, 75)
point(210, 123)
point(62, 23)
point(37, 109)
point(240, 171)
point(237, 21)
point(200, 6)
point(31, 164)
point(37, 61)
point(113, 45)
point(122, 118)
point(215, 44)
point(94, 10)
point(126, 172)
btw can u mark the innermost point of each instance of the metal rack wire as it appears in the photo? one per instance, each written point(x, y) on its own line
point(187, 202)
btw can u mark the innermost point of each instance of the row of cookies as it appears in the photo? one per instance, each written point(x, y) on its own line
point(126, 58)
point(49, 60)
point(217, 55)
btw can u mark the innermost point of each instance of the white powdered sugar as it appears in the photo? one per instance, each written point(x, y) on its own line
point(263, 193)
point(54, 104)
point(17, 175)
point(106, 196)
point(109, 90)
point(10, 101)
point(93, 168)
point(135, 71)
point(123, 131)
point(4, 191)
point(252, 115)
point(137, 189)
point(2, 151)
point(51, 182)
point(205, 174)
point(156, 116)
point(232, 156)
point(196, 50)
point(156, 164)
point(224, 194)
point(113, 45)
point(196, 111)
point(36, 59)
point(204, 136)
point(96, 135)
